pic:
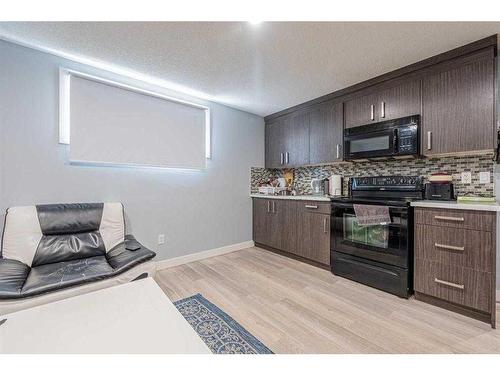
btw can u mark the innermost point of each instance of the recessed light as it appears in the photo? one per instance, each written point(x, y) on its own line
point(254, 23)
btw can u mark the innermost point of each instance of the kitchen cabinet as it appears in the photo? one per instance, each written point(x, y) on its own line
point(287, 141)
point(314, 235)
point(455, 260)
point(269, 216)
point(275, 143)
point(296, 152)
point(385, 102)
point(301, 228)
point(360, 110)
point(325, 133)
point(458, 105)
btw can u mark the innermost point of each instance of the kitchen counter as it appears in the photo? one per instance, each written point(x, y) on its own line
point(453, 205)
point(322, 198)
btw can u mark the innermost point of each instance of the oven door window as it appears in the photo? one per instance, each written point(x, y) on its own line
point(370, 144)
point(373, 235)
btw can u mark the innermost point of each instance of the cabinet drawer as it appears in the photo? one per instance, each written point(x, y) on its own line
point(460, 285)
point(314, 206)
point(454, 246)
point(478, 220)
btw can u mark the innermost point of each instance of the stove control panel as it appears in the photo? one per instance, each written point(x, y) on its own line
point(386, 182)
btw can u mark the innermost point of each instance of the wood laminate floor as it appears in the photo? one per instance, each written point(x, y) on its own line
point(293, 307)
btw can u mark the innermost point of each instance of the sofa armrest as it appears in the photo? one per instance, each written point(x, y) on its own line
point(122, 258)
point(13, 275)
point(131, 243)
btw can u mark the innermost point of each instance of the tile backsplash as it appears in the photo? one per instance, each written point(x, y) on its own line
point(453, 165)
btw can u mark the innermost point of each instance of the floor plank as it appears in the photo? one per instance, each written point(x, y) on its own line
point(294, 307)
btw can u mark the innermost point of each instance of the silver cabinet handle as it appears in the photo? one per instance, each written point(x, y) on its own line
point(274, 208)
point(449, 218)
point(447, 283)
point(449, 247)
point(286, 157)
point(268, 206)
point(382, 110)
point(429, 140)
point(338, 151)
point(311, 206)
point(372, 112)
point(324, 225)
point(281, 158)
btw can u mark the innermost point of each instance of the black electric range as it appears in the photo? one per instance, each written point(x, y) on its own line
point(380, 256)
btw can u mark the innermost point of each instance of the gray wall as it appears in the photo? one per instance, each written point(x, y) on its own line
point(195, 210)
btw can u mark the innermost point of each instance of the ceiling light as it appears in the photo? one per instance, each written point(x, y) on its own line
point(254, 23)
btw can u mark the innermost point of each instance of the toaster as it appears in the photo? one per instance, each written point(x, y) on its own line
point(440, 192)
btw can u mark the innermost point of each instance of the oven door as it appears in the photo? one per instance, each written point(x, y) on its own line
point(382, 143)
point(381, 243)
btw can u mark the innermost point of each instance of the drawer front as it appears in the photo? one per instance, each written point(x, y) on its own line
point(318, 207)
point(460, 285)
point(454, 246)
point(478, 220)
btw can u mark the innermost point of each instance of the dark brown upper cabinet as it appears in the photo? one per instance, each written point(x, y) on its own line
point(387, 101)
point(287, 141)
point(360, 110)
point(275, 143)
point(458, 105)
point(325, 133)
point(296, 152)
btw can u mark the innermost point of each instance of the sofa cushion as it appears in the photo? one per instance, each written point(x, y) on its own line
point(51, 233)
point(69, 218)
point(64, 247)
point(55, 276)
point(13, 274)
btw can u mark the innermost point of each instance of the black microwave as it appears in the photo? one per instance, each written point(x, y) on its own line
point(385, 139)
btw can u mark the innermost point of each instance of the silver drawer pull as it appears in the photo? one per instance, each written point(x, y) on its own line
point(447, 283)
point(449, 218)
point(449, 247)
point(309, 206)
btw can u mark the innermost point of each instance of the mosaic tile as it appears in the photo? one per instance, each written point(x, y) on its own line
point(424, 167)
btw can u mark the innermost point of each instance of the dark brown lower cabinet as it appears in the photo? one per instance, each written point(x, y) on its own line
point(314, 237)
point(455, 260)
point(301, 228)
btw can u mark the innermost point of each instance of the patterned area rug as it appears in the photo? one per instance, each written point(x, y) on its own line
point(221, 333)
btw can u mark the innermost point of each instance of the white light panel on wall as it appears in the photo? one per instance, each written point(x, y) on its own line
point(109, 123)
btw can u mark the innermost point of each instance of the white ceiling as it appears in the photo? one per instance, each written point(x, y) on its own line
point(261, 69)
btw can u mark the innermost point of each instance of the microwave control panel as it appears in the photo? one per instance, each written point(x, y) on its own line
point(408, 139)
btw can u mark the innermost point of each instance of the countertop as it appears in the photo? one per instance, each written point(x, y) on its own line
point(322, 198)
point(453, 205)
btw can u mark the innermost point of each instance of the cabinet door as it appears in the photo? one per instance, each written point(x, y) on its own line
point(359, 111)
point(297, 140)
point(458, 107)
point(275, 143)
point(261, 220)
point(325, 133)
point(399, 101)
point(314, 237)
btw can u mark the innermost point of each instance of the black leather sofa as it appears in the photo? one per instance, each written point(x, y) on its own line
point(47, 248)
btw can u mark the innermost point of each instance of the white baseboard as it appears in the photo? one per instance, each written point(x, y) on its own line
point(172, 262)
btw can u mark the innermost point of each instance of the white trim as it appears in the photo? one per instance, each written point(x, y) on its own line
point(172, 262)
point(498, 296)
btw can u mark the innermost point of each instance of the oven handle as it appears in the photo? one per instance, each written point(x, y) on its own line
point(350, 205)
